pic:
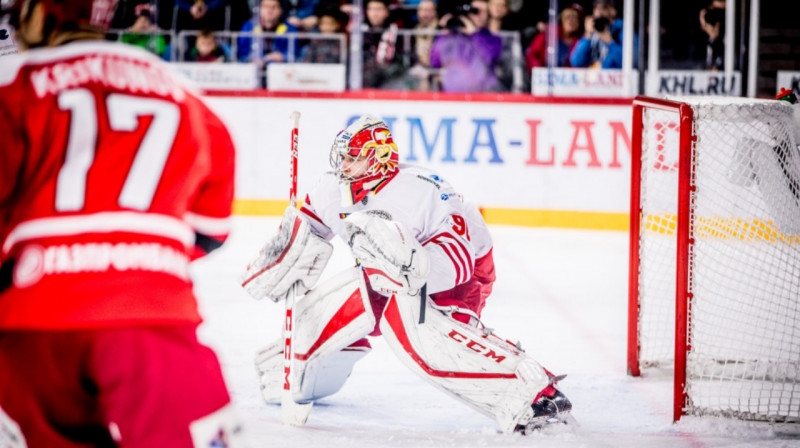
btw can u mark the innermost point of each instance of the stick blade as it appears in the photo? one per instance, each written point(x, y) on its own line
point(293, 413)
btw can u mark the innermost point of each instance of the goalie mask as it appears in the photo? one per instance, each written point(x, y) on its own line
point(364, 151)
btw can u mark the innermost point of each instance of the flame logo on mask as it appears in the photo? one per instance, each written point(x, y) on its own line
point(384, 150)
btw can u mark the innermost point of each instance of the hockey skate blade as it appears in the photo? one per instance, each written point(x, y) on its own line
point(563, 422)
point(293, 413)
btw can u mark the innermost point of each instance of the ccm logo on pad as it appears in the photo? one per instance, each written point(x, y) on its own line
point(476, 346)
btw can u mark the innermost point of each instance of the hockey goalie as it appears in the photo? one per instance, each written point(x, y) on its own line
point(423, 272)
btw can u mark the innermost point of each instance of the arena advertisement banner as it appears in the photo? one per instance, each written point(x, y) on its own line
point(298, 76)
point(581, 82)
point(694, 82)
point(558, 162)
point(228, 76)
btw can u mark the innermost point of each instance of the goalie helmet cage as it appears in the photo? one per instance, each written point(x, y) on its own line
point(714, 281)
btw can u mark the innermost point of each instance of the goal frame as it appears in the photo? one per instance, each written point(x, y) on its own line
point(684, 240)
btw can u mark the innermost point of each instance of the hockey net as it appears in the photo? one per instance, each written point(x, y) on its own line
point(715, 254)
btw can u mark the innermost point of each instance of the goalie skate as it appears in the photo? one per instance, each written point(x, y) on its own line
point(551, 407)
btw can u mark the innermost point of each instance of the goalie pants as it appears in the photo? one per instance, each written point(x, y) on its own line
point(137, 387)
point(471, 294)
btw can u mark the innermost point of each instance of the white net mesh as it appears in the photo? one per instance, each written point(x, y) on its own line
point(744, 318)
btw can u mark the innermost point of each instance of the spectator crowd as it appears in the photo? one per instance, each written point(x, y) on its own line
point(447, 45)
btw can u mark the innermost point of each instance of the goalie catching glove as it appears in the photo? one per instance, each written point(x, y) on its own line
point(394, 261)
point(293, 256)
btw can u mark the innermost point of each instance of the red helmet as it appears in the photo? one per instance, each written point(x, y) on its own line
point(368, 138)
point(68, 15)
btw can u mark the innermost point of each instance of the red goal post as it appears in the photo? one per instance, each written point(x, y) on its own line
point(714, 273)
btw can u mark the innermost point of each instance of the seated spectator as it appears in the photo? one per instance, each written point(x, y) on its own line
point(569, 32)
point(144, 33)
point(332, 22)
point(270, 19)
point(714, 27)
point(207, 49)
point(467, 55)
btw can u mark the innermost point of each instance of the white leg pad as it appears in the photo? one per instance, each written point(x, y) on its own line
point(485, 372)
point(327, 374)
point(327, 320)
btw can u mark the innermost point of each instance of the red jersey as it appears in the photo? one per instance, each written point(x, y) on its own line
point(113, 176)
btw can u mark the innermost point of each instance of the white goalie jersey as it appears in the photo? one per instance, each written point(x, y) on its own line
point(452, 231)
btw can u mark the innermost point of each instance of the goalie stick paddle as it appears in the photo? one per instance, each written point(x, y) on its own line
point(292, 413)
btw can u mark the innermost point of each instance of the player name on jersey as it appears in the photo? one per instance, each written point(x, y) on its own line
point(109, 71)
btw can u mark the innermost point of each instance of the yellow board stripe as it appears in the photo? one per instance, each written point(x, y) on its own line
point(565, 219)
point(729, 229)
point(508, 216)
point(259, 207)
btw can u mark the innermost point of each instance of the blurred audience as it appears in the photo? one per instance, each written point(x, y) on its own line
point(381, 64)
point(127, 13)
point(597, 49)
point(601, 46)
point(331, 22)
point(568, 31)
point(207, 49)
point(266, 49)
point(427, 27)
point(712, 5)
point(405, 41)
point(468, 53)
point(499, 20)
point(714, 26)
point(499, 17)
point(303, 14)
point(200, 14)
point(144, 33)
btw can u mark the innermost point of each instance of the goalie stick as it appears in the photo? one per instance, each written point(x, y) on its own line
point(292, 413)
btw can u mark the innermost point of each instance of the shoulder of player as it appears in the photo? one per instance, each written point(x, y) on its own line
point(423, 178)
point(10, 67)
point(328, 179)
point(327, 185)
